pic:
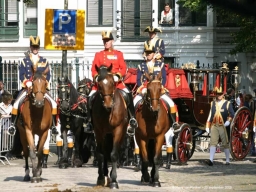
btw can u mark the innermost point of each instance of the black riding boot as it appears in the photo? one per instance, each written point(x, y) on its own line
point(60, 154)
point(54, 129)
point(173, 117)
point(44, 161)
point(168, 161)
point(137, 162)
point(12, 130)
point(132, 122)
point(70, 153)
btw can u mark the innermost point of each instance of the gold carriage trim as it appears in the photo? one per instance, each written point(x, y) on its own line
point(177, 80)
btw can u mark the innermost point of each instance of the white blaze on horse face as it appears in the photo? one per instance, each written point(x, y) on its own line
point(39, 80)
point(105, 81)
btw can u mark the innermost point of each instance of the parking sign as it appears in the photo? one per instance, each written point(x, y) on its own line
point(64, 29)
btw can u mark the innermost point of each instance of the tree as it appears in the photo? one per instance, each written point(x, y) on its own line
point(241, 12)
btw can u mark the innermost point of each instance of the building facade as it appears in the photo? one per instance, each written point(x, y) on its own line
point(190, 37)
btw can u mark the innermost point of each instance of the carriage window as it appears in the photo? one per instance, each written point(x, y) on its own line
point(192, 18)
point(30, 19)
point(166, 12)
point(99, 13)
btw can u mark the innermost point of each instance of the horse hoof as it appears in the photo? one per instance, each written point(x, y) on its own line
point(113, 185)
point(26, 178)
point(144, 181)
point(156, 184)
point(44, 166)
point(78, 163)
point(63, 166)
point(168, 167)
point(34, 180)
point(101, 182)
point(137, 168)
point(39, 179)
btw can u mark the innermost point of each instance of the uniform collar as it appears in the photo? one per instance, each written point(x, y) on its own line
point(109, 50)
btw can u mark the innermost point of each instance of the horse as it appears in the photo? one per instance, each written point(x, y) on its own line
point(110, 121)
point(73, 110)
point(35, 118)
point(153, 123)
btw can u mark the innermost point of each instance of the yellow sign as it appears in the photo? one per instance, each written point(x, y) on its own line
point(64, 29)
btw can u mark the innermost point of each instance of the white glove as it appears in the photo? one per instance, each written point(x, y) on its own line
point(254, 129)
point(144, 91)
point(207, 129)
point(227, 123)
point(116, 79)
point(29, 84)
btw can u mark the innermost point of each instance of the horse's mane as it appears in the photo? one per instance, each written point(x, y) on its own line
point(38, 74)
point(73, 93)
point(103, 72)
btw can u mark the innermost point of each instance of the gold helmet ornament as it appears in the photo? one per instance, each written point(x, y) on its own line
point(148, 47)
point(218, 91)
point(34, 41)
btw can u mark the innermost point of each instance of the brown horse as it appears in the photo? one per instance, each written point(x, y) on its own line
point(110, 121)
point(35, 118)
point(153, 123)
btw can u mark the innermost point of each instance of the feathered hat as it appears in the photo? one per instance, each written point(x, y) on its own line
point(34, 41)
point(107, 35)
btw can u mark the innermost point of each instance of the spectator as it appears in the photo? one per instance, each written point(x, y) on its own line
point(240, 98)
point(1, 90)
point(166, 15)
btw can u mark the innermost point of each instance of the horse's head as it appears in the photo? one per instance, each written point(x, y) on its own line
point(84, 87)
point(154, 88)
point(106, 85)
point(64, 93)
point(38, 89)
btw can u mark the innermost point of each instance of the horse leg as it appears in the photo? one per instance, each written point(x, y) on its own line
point(156, 164)
point(100, 158)
point(145, 178)
point(26, 154)
point(77, 160)
point(63, 164)
point(114, 158)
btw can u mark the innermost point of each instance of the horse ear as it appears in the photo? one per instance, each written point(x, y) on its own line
point(110, 67)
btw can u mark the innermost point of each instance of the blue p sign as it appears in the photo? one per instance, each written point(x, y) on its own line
point(64, 21)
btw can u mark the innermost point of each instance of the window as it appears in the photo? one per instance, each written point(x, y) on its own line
point(100, 13)
point(192, 18)
point(164, 18)
point(136, 16)
point(9, 22)
point(30, 19)
point(224, 19)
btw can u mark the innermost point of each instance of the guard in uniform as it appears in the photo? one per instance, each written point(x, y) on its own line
point(154, 66)
point(220, 116)
point(156, 42)
point(107, 57)
point(33, 60)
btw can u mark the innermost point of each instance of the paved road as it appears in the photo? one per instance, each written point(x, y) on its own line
point(196, 176)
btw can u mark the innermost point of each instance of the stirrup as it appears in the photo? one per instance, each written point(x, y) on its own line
point(11, 130)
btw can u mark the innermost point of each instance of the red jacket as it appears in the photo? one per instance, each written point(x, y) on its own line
point(106, 57)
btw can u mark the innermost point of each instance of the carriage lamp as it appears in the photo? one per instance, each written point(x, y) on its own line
point(235, 79)
point(194, 81)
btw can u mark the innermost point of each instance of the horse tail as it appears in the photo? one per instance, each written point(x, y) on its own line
point(16, 148)
point(151, 150)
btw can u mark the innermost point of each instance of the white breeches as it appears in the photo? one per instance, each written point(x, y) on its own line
point(168, 137)
point(47, 141)
point(168, 100)
point(136, 99)
point(17, 101)
point(58, 138)
point(70, 137)
point(135, 143)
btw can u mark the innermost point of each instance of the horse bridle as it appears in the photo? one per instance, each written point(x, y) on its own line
point(148, 99)
point(35, 93)
point(64, 88)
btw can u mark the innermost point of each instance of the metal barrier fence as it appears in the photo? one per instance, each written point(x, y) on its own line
point(6, 140)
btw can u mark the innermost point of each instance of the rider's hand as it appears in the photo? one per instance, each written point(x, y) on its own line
point(207, 129)
point(144, 91)
point(29, 84)
point(227, 123)
point(254, 129)
point(116, 78)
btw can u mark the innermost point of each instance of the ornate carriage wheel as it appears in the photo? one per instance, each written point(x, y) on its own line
point(184, 146)
point(241, 133)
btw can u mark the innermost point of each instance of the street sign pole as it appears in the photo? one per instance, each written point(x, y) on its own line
point(64, 52)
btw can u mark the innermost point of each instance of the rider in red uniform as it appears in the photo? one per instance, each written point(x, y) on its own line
point(107, 57)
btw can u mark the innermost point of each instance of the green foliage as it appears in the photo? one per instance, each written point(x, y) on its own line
point(245, 39)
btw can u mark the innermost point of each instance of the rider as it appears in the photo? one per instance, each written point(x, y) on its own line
point(156, 42)
point(25, 73)
point(154, 66)
point(107, 57)
point(220, 116)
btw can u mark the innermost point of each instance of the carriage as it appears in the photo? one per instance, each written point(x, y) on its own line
point(190, 88)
